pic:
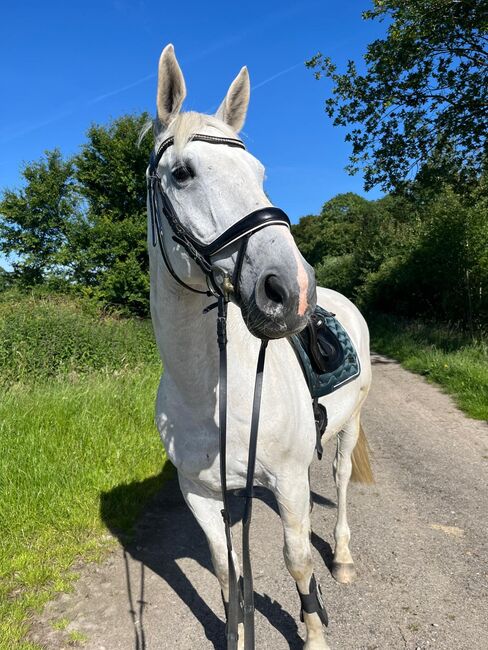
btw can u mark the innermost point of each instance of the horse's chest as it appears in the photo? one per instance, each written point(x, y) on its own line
point(190, 435)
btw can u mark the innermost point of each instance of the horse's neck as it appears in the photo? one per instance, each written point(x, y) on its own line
point(186, 338)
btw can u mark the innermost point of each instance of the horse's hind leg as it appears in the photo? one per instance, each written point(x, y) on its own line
point(206, 509)
point(348, 458)
point(293, 496)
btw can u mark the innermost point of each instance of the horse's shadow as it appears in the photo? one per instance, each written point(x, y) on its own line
point(168, 532)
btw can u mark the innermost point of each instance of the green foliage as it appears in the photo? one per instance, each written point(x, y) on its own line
point(338, 273)
point(109, 247)
point(422, 255)
point(80, 224)
point(439, 270)
point(36, 220)
point(57, 336)
point(335, 231)
point(5, 279)
point(423, 96)
point(309, 238)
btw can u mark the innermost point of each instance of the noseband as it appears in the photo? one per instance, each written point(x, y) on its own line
point(199, 252)
point(240, 607)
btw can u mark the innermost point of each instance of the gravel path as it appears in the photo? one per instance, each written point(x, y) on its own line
point(419, 542)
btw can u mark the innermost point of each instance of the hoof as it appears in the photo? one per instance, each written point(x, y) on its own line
point(343, 573)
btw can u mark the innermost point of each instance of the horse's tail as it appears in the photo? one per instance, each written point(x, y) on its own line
point(361, 466)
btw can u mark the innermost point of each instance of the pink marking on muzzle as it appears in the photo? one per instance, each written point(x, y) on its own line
point(302, 277)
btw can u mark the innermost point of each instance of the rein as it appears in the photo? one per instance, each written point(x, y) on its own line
point(240, 607)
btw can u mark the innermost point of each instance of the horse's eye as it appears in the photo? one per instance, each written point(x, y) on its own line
point(182, 173)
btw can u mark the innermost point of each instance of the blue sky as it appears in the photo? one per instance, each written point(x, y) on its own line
point(65, 65)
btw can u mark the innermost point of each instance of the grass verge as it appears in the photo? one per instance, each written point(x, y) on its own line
point(65, 446)
point(443, 355)
point(76, 423)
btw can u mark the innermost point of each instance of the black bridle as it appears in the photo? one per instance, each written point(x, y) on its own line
point(240, 607)
point(201, 253)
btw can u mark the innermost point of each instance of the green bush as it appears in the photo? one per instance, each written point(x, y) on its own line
point(419, 255)
point(45, 337)
point(337, 273)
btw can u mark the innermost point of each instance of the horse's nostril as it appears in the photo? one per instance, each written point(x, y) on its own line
point(274, 289)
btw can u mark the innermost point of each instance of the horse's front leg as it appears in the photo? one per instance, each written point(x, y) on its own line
point(293, 496)
point(206, 508)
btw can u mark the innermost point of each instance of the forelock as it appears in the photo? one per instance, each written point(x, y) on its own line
point(186, 125)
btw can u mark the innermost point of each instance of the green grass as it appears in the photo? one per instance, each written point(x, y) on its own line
point(443, 355)
point(77, 638)
point(60, 624)
point(79, 453)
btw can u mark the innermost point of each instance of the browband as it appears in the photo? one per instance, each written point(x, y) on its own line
point(201, 137)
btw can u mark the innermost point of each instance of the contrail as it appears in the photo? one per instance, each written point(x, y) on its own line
point(117, 91)
point(7, 134)
point(275, 76)
point(271, 18)
point(263, 83)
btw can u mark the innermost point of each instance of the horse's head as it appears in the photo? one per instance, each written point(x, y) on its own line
point(210, 186)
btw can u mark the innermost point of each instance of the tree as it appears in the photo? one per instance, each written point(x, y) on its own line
point(423, 96)
point(109, 245)
point(81, 223)
point(34, 221)
point(308, 234)
point(330, 241)
point(334, 232)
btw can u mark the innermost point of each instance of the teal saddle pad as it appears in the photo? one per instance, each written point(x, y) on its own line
point(339, 362)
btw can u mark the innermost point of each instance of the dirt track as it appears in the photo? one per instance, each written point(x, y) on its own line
point(419, 542)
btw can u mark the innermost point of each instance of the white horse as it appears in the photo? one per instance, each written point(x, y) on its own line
point(211, 187)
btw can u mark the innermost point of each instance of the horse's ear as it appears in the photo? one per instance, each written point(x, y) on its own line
point(233, 109)
point(171, 87)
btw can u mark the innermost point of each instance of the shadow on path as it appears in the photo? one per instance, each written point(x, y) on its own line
point(168, 532)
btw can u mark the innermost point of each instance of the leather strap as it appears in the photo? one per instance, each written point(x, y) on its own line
point(320, 416)
point(226, 605)
point(234, 601)
point(202, 137)
point(240, 607)
point(251, 223)
point(248, 589)
point(157, 234)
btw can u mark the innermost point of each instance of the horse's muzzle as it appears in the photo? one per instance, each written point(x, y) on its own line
point(277, 308)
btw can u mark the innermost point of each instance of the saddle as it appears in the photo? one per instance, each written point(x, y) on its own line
point(328, 360)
